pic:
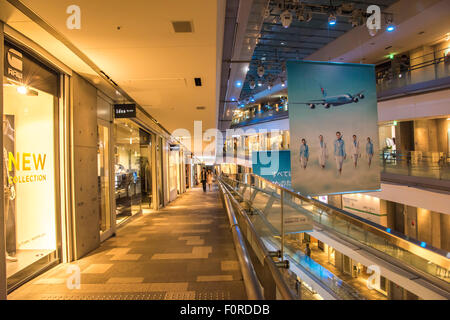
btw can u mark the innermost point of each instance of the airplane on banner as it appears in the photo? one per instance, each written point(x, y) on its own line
point(334, 101)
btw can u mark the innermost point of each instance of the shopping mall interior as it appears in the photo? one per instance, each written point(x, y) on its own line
point(225, 150)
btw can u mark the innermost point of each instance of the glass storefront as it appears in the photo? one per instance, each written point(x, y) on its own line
point(159, 171)
point(31, 92)
point(127, 159)
point(104, 177)
point(146, 169)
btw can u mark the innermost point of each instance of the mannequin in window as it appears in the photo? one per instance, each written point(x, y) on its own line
point(9, 192)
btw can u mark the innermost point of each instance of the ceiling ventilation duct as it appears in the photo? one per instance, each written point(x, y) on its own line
point(182, 26)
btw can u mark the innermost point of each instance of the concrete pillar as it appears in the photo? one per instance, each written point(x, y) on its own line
point(411, 222)
point(442, 126)
point(400, 217)
point(404, 136)
point(389, 208)
point(335, 200)
point(84, 128)
point(338, 260)
point(419, 56)
point(424, 225)
point(435, 229)
point(2, 214)
point(445, 235)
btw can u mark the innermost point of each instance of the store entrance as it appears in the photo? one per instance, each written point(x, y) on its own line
point(146, 169)
point(106, 222)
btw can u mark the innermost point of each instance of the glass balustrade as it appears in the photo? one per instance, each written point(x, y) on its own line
point(265, 198)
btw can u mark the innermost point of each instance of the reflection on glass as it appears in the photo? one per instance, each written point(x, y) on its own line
point(103, 177)
point(29, 177)
point(146, 169)
point(127, 170)
point(159, 173)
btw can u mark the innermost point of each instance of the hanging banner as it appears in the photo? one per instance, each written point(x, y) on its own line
point(333, 127)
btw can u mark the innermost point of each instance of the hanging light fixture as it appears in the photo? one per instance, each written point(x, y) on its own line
point(286, 18)
point(260, 71)
point(332, 20)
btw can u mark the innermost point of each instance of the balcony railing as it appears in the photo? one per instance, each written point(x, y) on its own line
point(432, 66)
point(434, 165)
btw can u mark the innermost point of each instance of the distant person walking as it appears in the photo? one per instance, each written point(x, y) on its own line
point(209, 179)
point(204, 177)
point(323, 154)
point(339, 151)
point(304, 154)
point(369, 150)
point(308, 251)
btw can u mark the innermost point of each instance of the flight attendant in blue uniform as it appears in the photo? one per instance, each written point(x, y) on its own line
point(369, 150)
point(304, 154)
point(339, 152)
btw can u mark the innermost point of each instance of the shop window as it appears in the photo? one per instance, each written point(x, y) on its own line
point(103, 177)
point(127, 169)
point(30, 101)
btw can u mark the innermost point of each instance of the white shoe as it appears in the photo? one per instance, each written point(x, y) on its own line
point(10, 258)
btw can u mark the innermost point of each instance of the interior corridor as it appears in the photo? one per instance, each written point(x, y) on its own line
point(183, 251)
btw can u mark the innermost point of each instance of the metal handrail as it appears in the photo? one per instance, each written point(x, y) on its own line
point(441, 256)
point(251, 283)
point(438, 256)
point(284, 290)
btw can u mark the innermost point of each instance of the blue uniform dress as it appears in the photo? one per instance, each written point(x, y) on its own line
point(369, 152)
point(339, 153)
point(304, 155)
point(369, 148)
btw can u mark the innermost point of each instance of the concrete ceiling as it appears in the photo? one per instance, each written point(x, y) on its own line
point(134, 43)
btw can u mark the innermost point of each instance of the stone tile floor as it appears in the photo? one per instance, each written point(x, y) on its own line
point(183, 251)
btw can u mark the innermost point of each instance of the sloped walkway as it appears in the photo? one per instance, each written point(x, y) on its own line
point(184, 251)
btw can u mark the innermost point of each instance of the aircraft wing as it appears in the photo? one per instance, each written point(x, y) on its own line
point(309, 102)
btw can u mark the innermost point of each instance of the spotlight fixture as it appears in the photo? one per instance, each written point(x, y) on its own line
point(270, 85)
point(260, 71)
point(252, 99)
point(260, 83)
point(390, 27)
point(238, 83)
point(252, 84)
point(22, 90)
point(332, 19)
point(286, 18)
point(283, 83)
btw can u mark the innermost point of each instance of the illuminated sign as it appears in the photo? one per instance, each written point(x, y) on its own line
point(14, 64)
point(127, 110)
point(26, 162)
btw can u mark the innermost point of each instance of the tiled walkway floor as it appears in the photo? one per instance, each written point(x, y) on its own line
point(184, 251)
